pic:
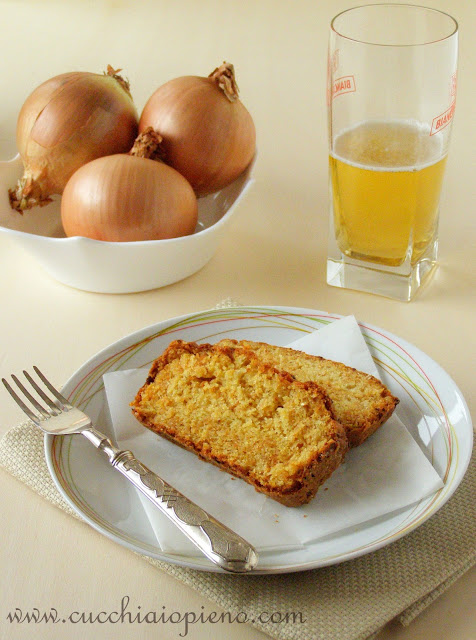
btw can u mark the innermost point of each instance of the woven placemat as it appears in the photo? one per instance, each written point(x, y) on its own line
point(349, 601)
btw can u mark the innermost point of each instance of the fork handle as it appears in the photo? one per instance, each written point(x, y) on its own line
point(222, 546)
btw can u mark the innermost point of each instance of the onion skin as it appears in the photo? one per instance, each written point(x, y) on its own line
point(66, 122)
point(124, 198)
point(208, 134)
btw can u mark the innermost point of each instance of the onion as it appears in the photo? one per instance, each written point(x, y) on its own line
point(208, 135)
point(66, 122)
point(124, 198)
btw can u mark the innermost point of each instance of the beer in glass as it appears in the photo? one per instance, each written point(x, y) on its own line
point(391, 100)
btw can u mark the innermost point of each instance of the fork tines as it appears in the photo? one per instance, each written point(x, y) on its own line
point(55, 407)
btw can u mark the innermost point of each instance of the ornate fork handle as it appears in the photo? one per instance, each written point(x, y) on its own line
point(221, 545)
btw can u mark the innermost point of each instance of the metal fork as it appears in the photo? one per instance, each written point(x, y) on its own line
point(222, 546)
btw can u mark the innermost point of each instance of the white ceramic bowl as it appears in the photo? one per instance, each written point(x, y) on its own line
point(116, 267)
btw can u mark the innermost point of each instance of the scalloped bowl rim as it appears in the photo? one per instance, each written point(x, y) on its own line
point(121, 267)
point(188, 238)
point(136, 243)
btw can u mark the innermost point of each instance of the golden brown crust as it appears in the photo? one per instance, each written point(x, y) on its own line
point(360, 416)
point(303, 485)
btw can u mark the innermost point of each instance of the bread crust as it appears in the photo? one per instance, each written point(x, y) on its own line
point(362, 421)
point(307, 480)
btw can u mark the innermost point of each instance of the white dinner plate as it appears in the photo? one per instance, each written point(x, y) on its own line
point(431, 406)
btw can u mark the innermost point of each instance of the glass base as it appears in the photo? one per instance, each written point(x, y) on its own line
point(400, 283)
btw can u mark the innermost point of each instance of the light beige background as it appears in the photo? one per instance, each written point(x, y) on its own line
point(274, 254)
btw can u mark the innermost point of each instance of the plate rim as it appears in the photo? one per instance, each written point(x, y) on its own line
point(202, 564)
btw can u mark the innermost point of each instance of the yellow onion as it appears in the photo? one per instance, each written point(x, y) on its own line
point(66, 122)
point(129, 197)
point(208, 134)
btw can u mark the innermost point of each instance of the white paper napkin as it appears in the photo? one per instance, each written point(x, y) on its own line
point(385, 474)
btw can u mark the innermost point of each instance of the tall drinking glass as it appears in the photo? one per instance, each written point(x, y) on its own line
point(391, 100)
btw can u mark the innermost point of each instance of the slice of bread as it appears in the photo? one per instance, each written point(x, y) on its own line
point(245, 416)
point(361, 402)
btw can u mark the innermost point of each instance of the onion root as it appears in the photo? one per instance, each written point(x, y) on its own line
point(27, 194)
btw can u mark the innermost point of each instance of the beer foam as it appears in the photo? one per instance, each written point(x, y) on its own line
point(361, 144)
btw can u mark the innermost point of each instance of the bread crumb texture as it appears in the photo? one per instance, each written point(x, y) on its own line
point(245, 416)
point(360, 401)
